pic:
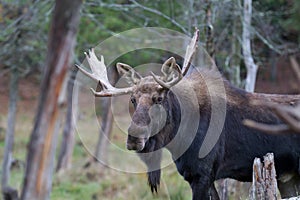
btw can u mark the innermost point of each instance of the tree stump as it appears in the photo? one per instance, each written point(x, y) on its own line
point(264, 185)
point(10, 193)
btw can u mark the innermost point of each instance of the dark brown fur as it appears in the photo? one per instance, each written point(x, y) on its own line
point(233, 154)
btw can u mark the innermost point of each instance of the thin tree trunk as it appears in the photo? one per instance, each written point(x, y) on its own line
point(223, 189)
point(101, 151)
point(68, 140)
point(42, 145)
point(246, 44)
point(209, 34)
point(8, 192)
point(235, 49)
point(105, 130)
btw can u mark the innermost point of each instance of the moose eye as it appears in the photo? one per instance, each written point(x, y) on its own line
point(133, 100)
point(159, 99)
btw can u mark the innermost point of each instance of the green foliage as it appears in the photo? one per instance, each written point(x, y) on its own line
point(23, 39)
point(100, 20)
point(292, 23)
point(277, 20)
point(25, 26)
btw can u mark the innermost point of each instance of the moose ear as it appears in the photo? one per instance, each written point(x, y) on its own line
point(131, 76)
point(171, 70)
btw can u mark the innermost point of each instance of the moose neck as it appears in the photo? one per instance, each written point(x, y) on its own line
point(181, 108)
point(174, 118)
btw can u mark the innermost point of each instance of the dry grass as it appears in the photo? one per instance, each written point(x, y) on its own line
point(96, 182)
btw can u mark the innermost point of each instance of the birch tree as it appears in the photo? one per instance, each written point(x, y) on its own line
point(246, 46)
point(7, 191)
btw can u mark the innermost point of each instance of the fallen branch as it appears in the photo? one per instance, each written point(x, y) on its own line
point(288, 114)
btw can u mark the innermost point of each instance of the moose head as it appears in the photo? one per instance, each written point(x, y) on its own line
point(148, 94)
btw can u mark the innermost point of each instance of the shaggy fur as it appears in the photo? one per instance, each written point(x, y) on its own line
point(237, 146)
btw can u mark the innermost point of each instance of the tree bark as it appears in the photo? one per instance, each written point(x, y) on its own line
point(67, 145)
point(105, 130)
point(42, 145)
point(246, 45)
point(101, 151)
point(223, 189)
point(264, 183)
point(235, 48)
point(10, 193)
point(209, 30)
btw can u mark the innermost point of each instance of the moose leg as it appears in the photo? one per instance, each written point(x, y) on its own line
point(203, 188)
point(290, 188)
point(214, 193)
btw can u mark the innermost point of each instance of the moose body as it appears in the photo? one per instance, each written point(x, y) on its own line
point(236, 148)
point(158, 116)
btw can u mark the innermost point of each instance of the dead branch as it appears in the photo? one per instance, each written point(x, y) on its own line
point(288, 114)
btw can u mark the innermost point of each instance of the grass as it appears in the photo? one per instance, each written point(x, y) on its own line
point(99, 182)
point(96, 182)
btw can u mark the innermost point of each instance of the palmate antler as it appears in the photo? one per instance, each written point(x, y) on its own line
point(99, 74)
point(171, 74)
point(288, 114)
point(190, 52)
point(170, 69)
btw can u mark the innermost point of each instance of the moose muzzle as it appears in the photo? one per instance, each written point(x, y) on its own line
point(137, 137)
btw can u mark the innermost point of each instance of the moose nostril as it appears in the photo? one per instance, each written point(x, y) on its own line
point(134, 143)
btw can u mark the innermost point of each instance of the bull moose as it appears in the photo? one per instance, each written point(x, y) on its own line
point(157, 117)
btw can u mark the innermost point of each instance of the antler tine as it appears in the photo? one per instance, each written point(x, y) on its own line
point(169, 84)
point(99, 74)
point(171, 74)
point(190, 51)
point(110, 93)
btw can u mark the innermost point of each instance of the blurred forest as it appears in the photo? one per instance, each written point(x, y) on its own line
point(24, 39)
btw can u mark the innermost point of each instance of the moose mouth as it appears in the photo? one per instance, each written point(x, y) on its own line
point(136, 144)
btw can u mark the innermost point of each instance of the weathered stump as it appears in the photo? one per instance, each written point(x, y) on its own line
point(264, 185)
point(10, 193)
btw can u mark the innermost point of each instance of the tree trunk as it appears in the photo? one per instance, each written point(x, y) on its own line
point(105, 130)
point(235, 48)
point(101, 151)
point(246, 45)
point(10, 193)
point(264, 183)
point(223, 189)
point(68, 140)
point(209, 34)
point(42, 145)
